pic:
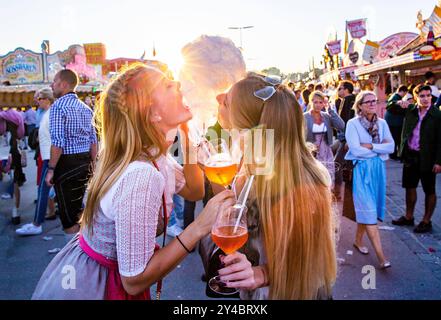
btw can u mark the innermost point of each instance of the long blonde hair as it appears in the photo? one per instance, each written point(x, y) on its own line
point(125, 130)
point(295, 201)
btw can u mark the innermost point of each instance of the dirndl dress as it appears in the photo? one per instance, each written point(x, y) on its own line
point(79, 273)
point(369, 190)
point(324, 154)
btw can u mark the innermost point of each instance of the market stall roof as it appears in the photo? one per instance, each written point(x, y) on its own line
point(335, 75)
point(412, 46)
point(394, 64)
point(408, 57)
point(34, 87)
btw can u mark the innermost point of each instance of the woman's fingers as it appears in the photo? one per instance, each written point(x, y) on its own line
point(246, 274)
point(234, 257)
point(235, 263)
point(225, 198)
point(244, 284)
point(237, 267)
point(224, 195)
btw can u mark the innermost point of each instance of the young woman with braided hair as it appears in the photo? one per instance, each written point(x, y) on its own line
point(114, 254)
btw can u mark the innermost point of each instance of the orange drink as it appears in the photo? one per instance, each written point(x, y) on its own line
point(220, 170)
point(228, 240)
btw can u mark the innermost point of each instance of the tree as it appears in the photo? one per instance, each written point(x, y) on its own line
point(272, 71)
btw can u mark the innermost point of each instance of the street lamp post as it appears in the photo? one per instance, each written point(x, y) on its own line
point(240, 31)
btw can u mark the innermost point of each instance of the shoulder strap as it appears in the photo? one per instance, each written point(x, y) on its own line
point(157, 247)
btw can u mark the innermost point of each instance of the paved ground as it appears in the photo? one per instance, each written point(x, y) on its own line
point(415, 272)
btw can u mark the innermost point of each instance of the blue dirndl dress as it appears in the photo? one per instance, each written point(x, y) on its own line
point(369, 190)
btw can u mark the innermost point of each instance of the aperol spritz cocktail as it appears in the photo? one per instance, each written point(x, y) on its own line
point(229, 233)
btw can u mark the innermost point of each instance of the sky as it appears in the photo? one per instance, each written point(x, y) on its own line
point(285, 34)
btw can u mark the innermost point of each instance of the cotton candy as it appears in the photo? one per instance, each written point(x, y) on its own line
point(212, 64)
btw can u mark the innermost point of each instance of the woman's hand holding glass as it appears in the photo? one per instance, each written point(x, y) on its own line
point(229, 233)
point(206, 219)
point(240, 274)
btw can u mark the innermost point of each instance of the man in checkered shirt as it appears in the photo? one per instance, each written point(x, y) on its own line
point(73, 149)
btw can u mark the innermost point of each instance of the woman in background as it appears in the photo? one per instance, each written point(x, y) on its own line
point(321, 120)
point(45, 99)
point(370, 142)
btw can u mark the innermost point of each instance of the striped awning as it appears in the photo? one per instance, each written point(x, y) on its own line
point(435, 21)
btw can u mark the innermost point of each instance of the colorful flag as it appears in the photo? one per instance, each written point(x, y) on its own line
point(346, 48)
point(357, 28)
point(370, 52)
point(334, 47)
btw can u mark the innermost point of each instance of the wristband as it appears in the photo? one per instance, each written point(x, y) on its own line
point(177, 237)
point(50, 168)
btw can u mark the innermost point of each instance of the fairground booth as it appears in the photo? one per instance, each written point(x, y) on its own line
point(23, 72)
point(359, 54)
point(408, 64)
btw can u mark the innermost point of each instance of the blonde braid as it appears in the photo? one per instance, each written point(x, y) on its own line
point(118, 90)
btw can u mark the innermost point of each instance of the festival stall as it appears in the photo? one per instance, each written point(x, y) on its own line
point(23, 72)
point(17, 96)
point(343, 73)
point(409, 63)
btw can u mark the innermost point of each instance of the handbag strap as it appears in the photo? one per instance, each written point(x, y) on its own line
point(157, 247)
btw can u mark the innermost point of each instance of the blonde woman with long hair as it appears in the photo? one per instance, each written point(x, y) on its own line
point(291, 250)
point(130, 196)
point(320, 122)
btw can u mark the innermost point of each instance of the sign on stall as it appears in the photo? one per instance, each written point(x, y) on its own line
point(371, 50)
point(392, 44)
point(95, 53)
point(22, 66)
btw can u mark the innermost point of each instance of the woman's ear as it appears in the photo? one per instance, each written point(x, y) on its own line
point(221, 98)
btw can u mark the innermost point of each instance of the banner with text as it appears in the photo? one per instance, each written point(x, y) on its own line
point(334, 47)
point(22, 66)
point(357, 28)
point(95, 53)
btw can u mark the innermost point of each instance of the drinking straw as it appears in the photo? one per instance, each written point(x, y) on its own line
point(244, 200)
point(233, 187)
point(194, 133)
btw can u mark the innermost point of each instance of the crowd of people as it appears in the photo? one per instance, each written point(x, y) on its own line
point(116, 185)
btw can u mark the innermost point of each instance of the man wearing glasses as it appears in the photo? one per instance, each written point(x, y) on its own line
point(421, 153)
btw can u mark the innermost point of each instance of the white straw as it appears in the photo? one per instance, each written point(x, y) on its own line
point(233, 187)
point(244, 200)
point(194, 133)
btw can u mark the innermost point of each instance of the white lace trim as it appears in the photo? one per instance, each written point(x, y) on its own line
point(136, 202)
